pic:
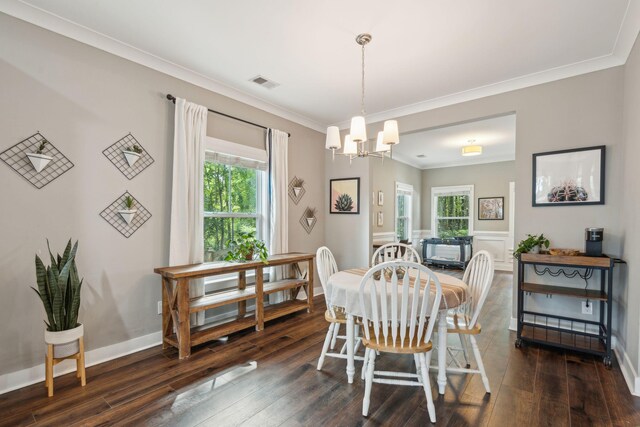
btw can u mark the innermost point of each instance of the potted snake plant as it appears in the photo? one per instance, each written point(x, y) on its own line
point(59, 290)
point(38, 159)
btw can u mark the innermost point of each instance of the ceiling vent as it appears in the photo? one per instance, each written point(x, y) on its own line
point(264, 82)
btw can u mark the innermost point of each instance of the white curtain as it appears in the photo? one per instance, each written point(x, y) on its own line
point(186, 245)
point(277, 146)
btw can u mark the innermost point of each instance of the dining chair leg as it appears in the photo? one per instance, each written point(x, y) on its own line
point(368, 383)
point(356, 335)
point(416, 359)
point(476, 354)
point(325, 347)
point(425, 360)
point(465, 350)
point(336, 329)
point(364, 363)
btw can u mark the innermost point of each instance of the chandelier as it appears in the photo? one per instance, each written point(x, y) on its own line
point(356, 143)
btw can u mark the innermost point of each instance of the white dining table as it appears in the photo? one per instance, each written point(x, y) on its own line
point(343, 288)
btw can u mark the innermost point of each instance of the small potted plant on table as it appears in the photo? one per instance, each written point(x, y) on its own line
point(245, 247)
point(39, 160)
point(531, 244)
point(132, 154)
point(129, 212)
point(59, 290)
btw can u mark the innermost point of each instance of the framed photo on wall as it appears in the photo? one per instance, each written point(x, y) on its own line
point(344, 196)
point(490, 208)
point(569, 177)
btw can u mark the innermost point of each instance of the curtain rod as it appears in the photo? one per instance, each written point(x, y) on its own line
point(173, 99)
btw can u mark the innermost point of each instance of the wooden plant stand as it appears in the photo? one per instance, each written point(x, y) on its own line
point(177, 306)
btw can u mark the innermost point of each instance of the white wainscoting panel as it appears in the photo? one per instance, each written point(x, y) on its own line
point(498, 244)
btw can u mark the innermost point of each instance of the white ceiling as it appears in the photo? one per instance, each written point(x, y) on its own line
point(442, 146)
point(424, 53)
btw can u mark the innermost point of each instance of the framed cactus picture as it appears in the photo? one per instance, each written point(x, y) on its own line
point(344, 196)
point(569, 177)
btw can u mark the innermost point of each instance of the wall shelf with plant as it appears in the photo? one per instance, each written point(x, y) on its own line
point(296, 189)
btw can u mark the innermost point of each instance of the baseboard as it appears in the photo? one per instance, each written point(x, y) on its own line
point(503, 266)
point(18, 379)
point(513, 324)
point(628, 371)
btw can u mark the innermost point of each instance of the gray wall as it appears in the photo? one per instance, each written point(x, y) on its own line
point(489, 180)
point(348, 236)
point(628, 298)
point(580, 111)
point(383, 178)
point(83, 100)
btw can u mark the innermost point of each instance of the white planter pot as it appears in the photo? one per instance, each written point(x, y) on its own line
point(132, 157)
point(297, 190)
point(65, 343)
point(128, 214)
point(39, 161)
point(310, 221)
point(535, 250)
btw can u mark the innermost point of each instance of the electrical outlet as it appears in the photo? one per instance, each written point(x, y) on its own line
point(587, 309)
point(160, 307)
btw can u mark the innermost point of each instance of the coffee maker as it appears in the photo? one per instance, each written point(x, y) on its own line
point(593, 241)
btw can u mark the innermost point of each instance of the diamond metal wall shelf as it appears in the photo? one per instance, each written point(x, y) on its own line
point(115, 154)
point(16, 158)
point(308, 223)
point(296, 193)
point(111, 215)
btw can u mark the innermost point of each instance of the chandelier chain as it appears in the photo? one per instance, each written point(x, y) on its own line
point(362, 99)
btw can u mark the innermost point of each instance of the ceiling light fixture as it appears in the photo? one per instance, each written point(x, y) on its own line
point(356, 142)
point(472, 149)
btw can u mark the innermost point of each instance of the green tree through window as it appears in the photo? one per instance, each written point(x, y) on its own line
point(452, 216)
point(230, 205)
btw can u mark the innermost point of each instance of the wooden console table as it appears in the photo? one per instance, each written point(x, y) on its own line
point(177, 306)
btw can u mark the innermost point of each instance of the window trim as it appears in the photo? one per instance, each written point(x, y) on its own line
point(402, 187)
point(439, 191)
point(255, 154)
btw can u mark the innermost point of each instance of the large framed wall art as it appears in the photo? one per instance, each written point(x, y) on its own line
point(569, 177)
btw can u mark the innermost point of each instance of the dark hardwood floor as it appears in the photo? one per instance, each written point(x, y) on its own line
point(270, 379)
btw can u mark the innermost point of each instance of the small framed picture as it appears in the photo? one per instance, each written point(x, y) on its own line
point(380, 198)
point(490, 208)
point(569, 177)
point(344, 196)
point(380, 221)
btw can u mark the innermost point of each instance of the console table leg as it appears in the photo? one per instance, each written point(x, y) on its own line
point(310, 286)
point(184, 320)
point(259, 299)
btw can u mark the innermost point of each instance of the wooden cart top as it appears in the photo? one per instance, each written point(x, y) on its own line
point(221, 267)
point(577, 260)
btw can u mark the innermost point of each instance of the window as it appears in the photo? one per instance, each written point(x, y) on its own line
point(404, 209)
point(233, 195)
point(452, 211)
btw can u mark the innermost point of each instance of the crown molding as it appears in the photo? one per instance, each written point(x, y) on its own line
point(496, 159)
point(559, 73)
point(57, 24)
point(624, 43)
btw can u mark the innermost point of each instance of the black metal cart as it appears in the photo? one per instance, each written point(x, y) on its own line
point(588, 336)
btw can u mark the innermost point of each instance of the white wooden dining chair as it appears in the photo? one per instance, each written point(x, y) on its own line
point(399, 311)
point(394, 250)
point(335, 316)
point(464, 321)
